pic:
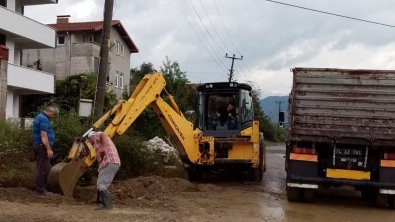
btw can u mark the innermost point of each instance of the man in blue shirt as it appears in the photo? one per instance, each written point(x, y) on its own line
point(43, 140)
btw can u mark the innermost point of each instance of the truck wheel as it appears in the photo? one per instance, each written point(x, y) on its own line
point(391, 201)
point(368, 194)
point(294, 194)
point(309, 195)
point(380, 200)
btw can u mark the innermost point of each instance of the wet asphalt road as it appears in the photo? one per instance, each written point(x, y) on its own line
point(334, 204)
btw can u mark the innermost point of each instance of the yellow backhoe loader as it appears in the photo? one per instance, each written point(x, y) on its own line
point(227, 135)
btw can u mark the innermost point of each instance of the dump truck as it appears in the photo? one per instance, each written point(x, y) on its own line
point(227, 135)
point(341, 132)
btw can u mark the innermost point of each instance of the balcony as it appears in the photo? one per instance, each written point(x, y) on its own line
point(24, 31)
point(29, 81)
point(85, 49)
point(38, 2)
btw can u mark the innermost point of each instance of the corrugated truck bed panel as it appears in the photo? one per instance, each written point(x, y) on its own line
point(338, 103)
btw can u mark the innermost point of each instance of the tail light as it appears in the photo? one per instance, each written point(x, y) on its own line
point(389, 156)
point(303, 150)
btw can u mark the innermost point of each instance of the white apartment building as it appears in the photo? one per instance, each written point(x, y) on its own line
point(18, 32)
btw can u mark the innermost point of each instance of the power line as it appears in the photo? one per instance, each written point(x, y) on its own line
point(209, 35)
point(330, 13)
point(209, 48)
point(215, 30)
point(224, 26)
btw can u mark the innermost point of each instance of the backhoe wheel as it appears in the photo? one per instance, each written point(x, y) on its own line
point(258, 174)
point(294, 194)
point(194, 174)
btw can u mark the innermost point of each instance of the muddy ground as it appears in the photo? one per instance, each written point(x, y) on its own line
point(229, 198)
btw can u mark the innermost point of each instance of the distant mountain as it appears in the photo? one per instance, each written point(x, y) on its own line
point(270, 107)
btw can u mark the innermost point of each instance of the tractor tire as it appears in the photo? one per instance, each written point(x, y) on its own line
point(194, 174)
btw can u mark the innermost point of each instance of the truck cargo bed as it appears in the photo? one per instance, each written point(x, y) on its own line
point(342, 104)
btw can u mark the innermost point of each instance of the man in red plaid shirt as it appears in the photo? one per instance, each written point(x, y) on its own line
point(109, 163)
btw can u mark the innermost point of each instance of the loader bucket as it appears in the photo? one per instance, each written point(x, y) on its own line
point(64, 176)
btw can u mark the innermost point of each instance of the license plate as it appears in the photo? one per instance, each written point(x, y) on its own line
point(349, 152)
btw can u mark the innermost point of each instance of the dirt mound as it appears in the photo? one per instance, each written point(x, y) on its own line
point(142, 191)
point(21, 194)
point(153, 191)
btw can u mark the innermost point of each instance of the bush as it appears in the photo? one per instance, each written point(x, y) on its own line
point(136, 159)
point(67, 127)
point(15, 155)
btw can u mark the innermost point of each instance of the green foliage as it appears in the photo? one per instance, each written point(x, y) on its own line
point(67, 127)
point(179, 86)
point(136, 159)
point(176, 84)
point(68, 94)
point(270, 131)
point(15, 154)
point(12, 137)
point(138, 73)
point(80, 86)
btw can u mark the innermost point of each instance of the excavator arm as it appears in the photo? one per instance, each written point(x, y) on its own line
point(192, 147)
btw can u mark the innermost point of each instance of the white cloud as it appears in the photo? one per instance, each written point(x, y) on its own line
point(272, 38)
point(84, 10)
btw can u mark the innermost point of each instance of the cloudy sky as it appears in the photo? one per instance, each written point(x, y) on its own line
point(272, 38)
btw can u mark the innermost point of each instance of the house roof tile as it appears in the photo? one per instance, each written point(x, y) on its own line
point(95, 26)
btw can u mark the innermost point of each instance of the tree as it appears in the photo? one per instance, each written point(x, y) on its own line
point(177, 84)
point(269, 130)
point(68, 94)
point(136, 74)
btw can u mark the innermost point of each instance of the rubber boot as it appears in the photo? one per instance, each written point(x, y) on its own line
point(106, 199)
point(105, 203)
point(98, 198)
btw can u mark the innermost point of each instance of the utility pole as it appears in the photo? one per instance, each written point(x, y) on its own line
point(103, 68)
point(279, 110)
point(231, 68)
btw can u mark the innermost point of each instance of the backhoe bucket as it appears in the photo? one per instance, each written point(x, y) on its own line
point(64, 176)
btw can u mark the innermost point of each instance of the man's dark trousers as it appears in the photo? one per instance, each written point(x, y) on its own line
point(43, 166)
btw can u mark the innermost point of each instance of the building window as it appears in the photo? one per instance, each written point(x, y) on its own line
point(3, 3)
point(88, 37)
point(117, 79)
point(61, 40)
point(2, 39)
point(122, 50)
point(120, 85)
point(117, 47)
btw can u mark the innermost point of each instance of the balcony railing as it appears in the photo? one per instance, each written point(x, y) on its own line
point(27, 32)
point(30, 80)
point(38, 2)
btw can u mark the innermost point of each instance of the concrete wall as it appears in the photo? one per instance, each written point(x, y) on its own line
point(3, 87)
point(82, 59)
point(119, 63)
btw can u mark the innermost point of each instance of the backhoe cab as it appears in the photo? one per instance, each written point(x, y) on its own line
point(226, 136)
